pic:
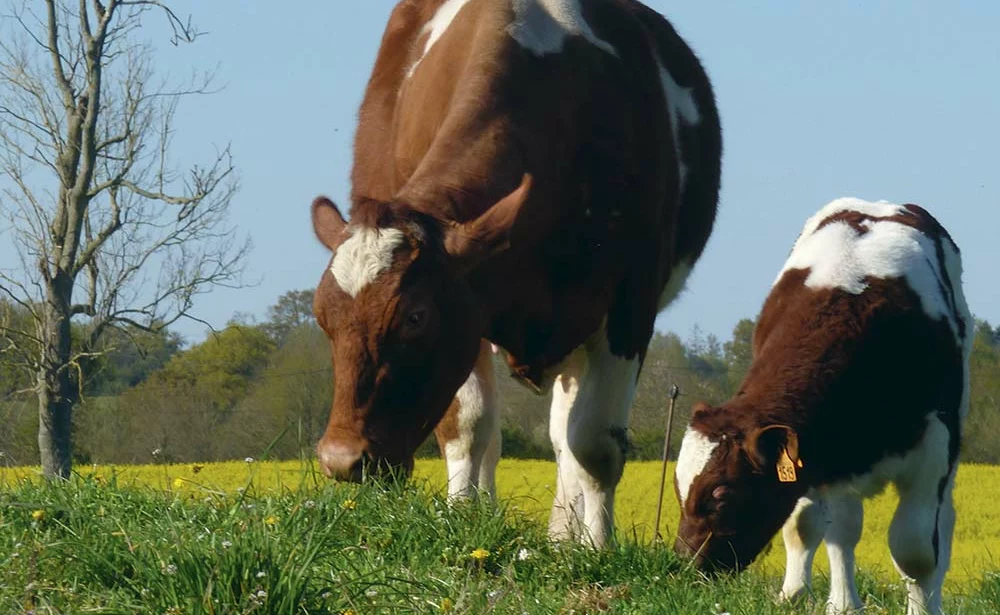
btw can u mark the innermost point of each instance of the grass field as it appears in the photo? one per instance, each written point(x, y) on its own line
point(263, 537)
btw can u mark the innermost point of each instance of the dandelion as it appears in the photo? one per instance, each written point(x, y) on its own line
point(178, 482)
point(348, 504)
point(38, 515)
point(271, 520)
point(349, 612)
point(447, 605)
point(479, 554)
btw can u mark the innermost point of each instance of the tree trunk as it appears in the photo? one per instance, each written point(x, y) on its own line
point(56, 392)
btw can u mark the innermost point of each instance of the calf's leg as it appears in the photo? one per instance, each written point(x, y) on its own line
point(921, 529)
point(846, 521)
point(801, 534)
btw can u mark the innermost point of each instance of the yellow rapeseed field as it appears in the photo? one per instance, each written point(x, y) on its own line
point(528, 486)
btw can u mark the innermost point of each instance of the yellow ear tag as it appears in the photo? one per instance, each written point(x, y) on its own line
point(786, 469)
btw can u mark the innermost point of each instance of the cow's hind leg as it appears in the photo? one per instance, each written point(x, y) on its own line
point(595, 433)
point(801, 534)
point(921, 529)
point(469, 434)
point(846, 521)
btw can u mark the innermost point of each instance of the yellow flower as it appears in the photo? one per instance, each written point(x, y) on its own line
point(479, 554)
point(348, 504)
point(446, 605)
point(348, 612)
point(38, 515)
point(178, 482)
point(271, 520)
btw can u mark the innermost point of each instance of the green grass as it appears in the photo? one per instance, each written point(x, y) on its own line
point(100, 546)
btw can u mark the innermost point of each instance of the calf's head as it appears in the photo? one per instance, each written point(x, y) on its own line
point(403, 322)
point(731, 498)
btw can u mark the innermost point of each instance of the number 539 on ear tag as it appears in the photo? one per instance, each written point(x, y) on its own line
point(786, 469)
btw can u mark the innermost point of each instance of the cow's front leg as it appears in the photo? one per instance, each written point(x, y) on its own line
point(602, 395)
point(469, 433)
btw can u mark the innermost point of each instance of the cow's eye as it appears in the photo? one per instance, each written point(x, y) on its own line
point(416, 319)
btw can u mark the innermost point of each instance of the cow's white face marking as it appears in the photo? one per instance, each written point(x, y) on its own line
point(680, 107)
point(542, 26)
point(838, 257)
point(696, 450)
point(364, 256)
point(437, 26)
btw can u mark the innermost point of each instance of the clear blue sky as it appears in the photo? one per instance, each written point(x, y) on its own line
point(896, 100)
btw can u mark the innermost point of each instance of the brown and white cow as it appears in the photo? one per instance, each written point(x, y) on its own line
point(859, 378)
point(539, 174)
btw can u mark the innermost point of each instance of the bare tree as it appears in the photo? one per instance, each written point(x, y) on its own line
point(107, 229)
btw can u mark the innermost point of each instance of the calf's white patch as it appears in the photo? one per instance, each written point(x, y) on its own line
point(839, 257)
point(696, 450)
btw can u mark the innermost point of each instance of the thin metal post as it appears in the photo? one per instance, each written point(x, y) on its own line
point(674, 392)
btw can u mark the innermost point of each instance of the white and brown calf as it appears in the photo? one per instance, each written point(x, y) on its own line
point(859, 379)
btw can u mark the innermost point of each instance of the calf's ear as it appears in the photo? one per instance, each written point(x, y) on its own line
point(766, 446)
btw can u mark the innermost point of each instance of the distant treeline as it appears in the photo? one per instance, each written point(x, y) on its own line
point(264, 389)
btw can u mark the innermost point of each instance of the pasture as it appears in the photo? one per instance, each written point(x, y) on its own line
point(276, 537)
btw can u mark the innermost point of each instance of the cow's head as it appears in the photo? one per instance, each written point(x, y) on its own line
point(403, 322)
point(732, 501)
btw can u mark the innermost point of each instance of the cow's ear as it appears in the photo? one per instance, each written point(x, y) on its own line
point(328, 223)
point(771, 445)
point(502, 225)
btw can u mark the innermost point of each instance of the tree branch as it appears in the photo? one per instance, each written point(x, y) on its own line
point(65, 87)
